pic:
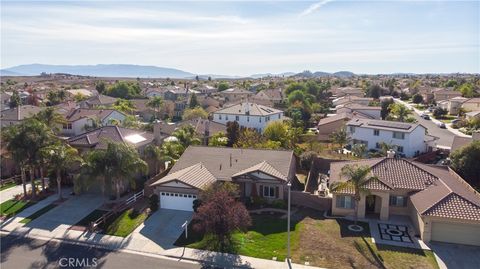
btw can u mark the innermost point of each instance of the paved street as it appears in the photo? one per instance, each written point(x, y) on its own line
point(446, 137)
point(18, 252)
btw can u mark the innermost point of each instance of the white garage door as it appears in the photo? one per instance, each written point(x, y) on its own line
point(467, 234)
point(177, 201)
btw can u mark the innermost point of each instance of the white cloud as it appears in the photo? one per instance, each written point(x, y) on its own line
point(314, 7)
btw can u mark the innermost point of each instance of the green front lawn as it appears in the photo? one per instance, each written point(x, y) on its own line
point(11, 207)
point(93, 216)
point(314, 239)
point(125, 223)
point(38, 213)
point(8, 186)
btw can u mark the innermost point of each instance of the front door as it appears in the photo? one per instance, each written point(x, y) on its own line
point(370, 204)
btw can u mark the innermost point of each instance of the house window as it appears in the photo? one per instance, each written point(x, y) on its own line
point(226, 117)
point(345, 201)
point(237, 118)
point(376, 132)
point(248, 119)
point(219, 117)
point(352, 129)
point(398, 135)
point(269, 191)
point(69, 126)
point(400, 149)
point(377, 145)
point(259, 119)
point(397, 200)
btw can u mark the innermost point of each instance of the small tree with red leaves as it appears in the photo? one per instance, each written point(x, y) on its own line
point(219, 217)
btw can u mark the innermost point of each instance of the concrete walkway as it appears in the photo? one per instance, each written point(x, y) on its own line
point(10, 193)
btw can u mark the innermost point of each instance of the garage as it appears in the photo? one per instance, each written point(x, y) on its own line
point(458, 233)
point(177, 201)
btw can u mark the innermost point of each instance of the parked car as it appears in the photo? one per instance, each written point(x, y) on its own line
point(313, 130)
point(441, 125)
point(455, 121)
point(425, 116)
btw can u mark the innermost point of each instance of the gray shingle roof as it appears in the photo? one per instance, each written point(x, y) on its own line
point(225, 163)
point(20, 112)
point(97, 138)
point(196, 176)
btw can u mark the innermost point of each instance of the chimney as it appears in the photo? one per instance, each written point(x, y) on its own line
point(156, 132)
point(390, 153)
point(246, 107)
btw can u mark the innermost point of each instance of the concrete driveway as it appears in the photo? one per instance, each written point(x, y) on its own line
point(160, 230)
point(68, 213)
point(457, 256)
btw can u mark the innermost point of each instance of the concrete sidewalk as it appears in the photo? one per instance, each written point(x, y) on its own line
point(143, 246)
point(10, 193)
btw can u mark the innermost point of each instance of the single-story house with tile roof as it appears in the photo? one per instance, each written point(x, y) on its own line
point(331, 124)
point(98, 100)
point(258, 172)
point(439, 203)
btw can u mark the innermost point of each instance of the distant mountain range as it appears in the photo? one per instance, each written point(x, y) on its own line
point(320, 74)
point(143, 71)
point(99, 70)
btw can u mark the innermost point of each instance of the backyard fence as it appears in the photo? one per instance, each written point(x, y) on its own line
point(15, 178)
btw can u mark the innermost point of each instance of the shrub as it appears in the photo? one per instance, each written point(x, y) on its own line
point(259, 201)
point(154, 202)
point(196, 204)
point(417, 98)
point(280, 204)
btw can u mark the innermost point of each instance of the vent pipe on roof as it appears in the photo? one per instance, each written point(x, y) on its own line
point(390, 153)
point(230, 159)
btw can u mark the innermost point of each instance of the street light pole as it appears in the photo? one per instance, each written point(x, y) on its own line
point(289, 184)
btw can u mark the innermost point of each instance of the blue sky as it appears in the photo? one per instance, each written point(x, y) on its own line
point(242, 38)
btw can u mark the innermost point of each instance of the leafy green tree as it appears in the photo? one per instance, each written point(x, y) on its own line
point(439, 112)
point(124, 89)
point(277, 131)
point(15, 100)
point(61, 157)
point(193, 101)
point(193, 113)
point(399, 112)
point(295, 86)
point(156, 103)
point(248, 138)
point(359, 150)
point(219, 139)
point(79, 97)
point(374, 91)
point(223, 86)
point(356, 177)
point(125, 106)
point(466, 162)
point(417, 98)
point(233, 133)
point(467, 90)
point(171, 151)
point(451, 83)
point(306, 159)
point(340, 137)
point(100, 86)
point(385, 108)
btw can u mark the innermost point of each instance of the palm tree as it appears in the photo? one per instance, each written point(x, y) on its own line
point(171, 151)
point(357, 177)
point(115, 165)
point(155, 153)
point(156, 102)
point(51, 118)
point(61, 157)
point(186, 136)
point(25, 143)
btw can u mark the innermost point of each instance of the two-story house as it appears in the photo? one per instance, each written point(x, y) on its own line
point(408, 139)
point(81, 120)
point(248, 115)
